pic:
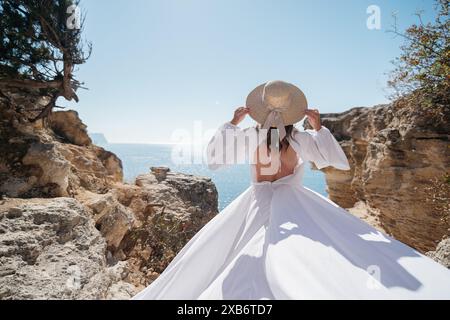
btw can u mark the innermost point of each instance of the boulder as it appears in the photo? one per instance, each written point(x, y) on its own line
point(442, 253)
point(400, 160)
point(50, 249)
point(68, 126)
point(147, 223)
point(39, 161)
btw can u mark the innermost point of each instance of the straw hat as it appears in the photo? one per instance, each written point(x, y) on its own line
point(277, 104)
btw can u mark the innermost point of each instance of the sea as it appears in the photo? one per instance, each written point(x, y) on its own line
point(230, 181)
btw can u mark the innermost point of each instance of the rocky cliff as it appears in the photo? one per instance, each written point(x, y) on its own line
point(54, 160)
point(50, 249)
point(147, 223)
point(71, 229)
point(400, 164)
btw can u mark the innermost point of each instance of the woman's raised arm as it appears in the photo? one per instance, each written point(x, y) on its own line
point(229, 144)
point(319, 145)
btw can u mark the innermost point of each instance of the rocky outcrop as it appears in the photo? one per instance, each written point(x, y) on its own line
point(68, 126)
point(100, 246)
point(147, 223)
point(36, 161)
point(442, 253)
point(50, 249)
point(70, 228)
point(398, 156)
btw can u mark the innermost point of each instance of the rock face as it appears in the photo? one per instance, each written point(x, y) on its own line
point(68, 126)
point(50, 249)
point(398, 156)
point(53, 161)
point(146, 224)
point(442, 253)
point(100, 246)
point(70, 228)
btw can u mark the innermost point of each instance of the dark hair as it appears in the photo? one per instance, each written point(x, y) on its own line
point(285, 142)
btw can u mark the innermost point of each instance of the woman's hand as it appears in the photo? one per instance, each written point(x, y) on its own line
point(239, 115)
point(314, 118)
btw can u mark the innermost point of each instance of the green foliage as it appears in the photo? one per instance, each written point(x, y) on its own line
point(38, 46)
point(424, 64)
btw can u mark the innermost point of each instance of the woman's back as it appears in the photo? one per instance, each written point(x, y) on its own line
point(272, 167)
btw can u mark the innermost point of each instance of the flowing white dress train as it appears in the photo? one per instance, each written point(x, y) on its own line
point(281, 240)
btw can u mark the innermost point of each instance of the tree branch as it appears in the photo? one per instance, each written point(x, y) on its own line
point(31, 84)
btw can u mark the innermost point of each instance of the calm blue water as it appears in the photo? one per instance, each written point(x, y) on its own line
point(230, 182)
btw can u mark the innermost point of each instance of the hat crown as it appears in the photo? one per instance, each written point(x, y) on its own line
point(278, 99)
point(277, 95)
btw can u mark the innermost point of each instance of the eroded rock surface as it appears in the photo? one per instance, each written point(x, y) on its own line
point(442, 253)
point(50, 249)
point(147, 223)
point(36, 161)
point(70, 228)
point(400, 161)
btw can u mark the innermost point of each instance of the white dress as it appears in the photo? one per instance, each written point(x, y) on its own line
point(280, 240)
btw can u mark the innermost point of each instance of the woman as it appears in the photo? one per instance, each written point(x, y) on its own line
point(280, 240)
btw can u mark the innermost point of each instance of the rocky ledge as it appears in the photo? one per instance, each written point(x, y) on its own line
point(400, 166)
point(442, 253)
point(99, 246)
point(53, 160)
point(50, 249)
point(147, 223)
point(70, 228)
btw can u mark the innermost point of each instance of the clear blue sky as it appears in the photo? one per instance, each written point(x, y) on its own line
point(161, 65)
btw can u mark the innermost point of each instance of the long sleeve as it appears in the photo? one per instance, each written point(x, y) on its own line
point(321, 148)
point(228, 146)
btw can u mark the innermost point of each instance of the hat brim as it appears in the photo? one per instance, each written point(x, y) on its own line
point(295, 111)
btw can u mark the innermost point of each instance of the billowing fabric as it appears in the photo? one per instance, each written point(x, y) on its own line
point(281, 240)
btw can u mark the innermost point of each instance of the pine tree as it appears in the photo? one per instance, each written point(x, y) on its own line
point(40, 46)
